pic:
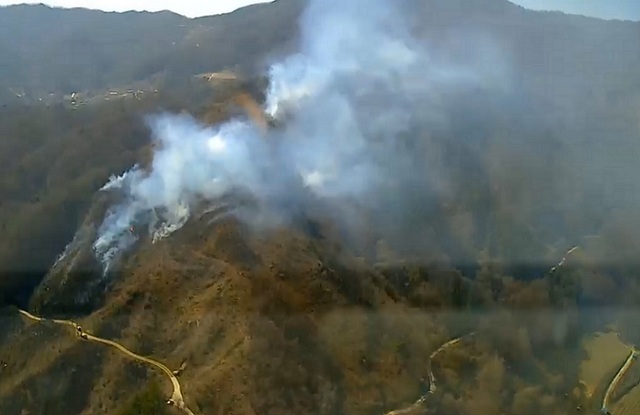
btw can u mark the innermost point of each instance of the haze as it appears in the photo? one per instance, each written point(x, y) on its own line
point(605, 9)
point(189, 8)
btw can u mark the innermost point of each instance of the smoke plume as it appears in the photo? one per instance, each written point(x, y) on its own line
point(350, 105)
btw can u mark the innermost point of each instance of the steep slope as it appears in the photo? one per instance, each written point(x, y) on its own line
point(283, 322)
point(312, 316)
point(53, 159)
point(259, 318)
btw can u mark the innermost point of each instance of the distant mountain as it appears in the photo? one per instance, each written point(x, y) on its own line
point(45, 49)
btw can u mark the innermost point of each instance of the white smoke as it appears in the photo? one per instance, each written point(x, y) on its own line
point(192, 162)
point(115, 182)
point(359, 82)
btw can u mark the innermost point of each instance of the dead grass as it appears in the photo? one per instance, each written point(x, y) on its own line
point(605, 354)
point(257, 335)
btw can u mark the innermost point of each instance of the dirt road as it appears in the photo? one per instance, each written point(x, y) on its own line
point(176, 397)
point(616, 379)
point(413, 408)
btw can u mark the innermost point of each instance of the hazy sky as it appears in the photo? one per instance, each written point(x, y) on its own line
point(608, 9)
point(191, 8)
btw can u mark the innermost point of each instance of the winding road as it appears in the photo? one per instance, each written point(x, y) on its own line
point(432, 379)
point(604, 408)
point(564, 259)
point(616, 379)
point(176, 397)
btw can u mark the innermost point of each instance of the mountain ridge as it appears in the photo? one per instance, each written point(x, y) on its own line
point(111, 49)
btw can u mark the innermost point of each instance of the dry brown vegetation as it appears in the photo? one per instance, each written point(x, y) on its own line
point(606, 353)
point(270, 323)
point(281, 322)
point(290, 321)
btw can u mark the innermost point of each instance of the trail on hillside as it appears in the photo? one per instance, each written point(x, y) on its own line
point(616, 379)
point(432, 379)
point(564, 259)
point(409, 410)
point(176, 397)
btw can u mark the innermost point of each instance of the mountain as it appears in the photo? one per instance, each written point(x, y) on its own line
point(87, 49)
point(499, 242)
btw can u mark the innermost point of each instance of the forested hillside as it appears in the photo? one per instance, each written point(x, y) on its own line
point(490, 266)
point(573, 92)
point(53, 159)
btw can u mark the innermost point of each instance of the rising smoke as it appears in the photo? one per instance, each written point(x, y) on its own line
point(351, 99)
